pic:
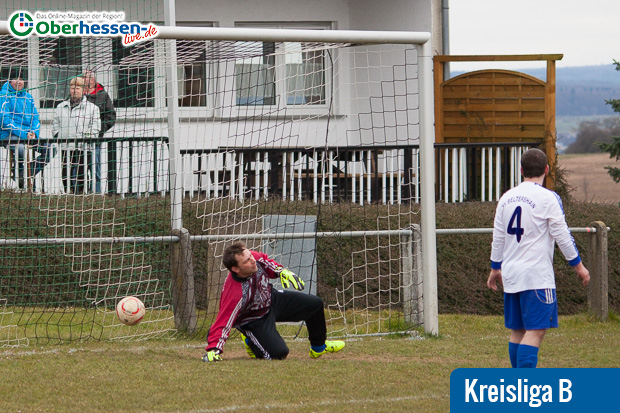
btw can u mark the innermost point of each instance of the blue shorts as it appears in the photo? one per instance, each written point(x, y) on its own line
point(531, 310)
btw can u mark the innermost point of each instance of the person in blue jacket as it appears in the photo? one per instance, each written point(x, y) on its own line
point(19, 123)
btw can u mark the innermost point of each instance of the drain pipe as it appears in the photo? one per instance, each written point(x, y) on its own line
point(445, 36)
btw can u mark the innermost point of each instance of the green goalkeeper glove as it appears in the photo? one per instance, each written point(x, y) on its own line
point(288, 277)
point(212, 355)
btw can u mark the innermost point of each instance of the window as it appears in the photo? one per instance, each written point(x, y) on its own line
point(255, 81)
point(268, 73)
point(305, 75)
point(192, 72)
point(194, 67)
point(13, 58)
point(61, 60)
point(135, 74)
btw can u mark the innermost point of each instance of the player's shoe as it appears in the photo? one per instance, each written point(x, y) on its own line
point(247, 347)
point(330, 347)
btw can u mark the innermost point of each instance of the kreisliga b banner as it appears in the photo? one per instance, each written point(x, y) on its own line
point(540, 390)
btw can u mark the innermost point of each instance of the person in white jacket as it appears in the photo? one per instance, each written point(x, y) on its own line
point(75, 121)
point(528, 222)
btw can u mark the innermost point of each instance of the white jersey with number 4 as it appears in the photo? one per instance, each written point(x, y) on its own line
point(528, 219)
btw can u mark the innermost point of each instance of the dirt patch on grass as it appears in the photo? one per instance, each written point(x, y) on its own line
point(587, 175)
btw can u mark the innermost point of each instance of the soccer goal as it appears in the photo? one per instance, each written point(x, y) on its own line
point(314, 146)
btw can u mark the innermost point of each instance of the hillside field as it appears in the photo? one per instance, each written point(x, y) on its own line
point(588, 179)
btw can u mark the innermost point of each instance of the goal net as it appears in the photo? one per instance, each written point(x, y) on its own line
point(307, 151)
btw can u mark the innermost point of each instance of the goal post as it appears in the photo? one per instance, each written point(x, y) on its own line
point(427, 137)
point(314, 146)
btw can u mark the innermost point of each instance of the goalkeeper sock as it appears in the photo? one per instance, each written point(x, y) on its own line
point(527, 357)
point(318, 349)
point(513, 349)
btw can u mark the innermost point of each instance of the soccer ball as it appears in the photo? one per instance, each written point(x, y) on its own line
point(130, 310)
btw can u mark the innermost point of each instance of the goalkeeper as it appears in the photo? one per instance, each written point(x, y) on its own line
point(250, 304)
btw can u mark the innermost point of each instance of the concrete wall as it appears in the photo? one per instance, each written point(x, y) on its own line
point(405, 15)
point(225, 13)
point(409, 15)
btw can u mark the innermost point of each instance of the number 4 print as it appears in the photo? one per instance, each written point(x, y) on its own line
point(516, 229)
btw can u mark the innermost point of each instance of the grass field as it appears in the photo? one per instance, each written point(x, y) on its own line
point(371, 374)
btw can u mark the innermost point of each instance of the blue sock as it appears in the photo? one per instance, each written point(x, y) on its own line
point(318, 349)
point(527, 357)
point(513, 349)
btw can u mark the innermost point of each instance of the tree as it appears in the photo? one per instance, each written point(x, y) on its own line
point(592, 132)
point(613, 148)
point(615, 103)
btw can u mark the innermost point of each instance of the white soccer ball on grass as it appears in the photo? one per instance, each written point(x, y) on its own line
point(130, 310)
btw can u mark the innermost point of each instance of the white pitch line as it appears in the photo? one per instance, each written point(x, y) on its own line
point(318, 403)
point(8, 353)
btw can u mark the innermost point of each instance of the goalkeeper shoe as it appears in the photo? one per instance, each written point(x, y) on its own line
point(247, 347)
point(330, 347)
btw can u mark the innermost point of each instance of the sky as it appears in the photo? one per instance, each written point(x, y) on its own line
point(585, 32)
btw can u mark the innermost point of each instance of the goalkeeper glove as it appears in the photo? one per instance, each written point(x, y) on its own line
point(212, 355)
point(288, 277)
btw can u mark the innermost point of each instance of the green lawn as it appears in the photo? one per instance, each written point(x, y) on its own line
point(378, 374)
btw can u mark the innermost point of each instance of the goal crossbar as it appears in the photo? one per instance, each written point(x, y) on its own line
point(292, 35)
point(283, 35)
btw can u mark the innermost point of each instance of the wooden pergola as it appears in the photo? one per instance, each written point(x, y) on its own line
point(495, 106)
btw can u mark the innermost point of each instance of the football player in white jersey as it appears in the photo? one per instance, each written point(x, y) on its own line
point(528, 220)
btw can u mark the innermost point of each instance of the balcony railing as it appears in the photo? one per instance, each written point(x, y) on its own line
point(132, 166)
point(387, 174)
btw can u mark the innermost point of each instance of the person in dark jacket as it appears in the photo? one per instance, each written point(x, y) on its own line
point(19, 121)
point(96, 94)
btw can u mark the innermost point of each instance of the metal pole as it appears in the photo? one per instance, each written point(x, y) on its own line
point(291, 235)
point(101, 240)
point(598, 264)
point(445, 36)
point(280, 35)
point(291, 35)
point(427, 183)
point(176, 167)
point(457, 231)
point(300, 235)
point(406, 277)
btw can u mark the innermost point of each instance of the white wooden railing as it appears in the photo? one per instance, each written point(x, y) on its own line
point(322, 175)
point(490, 168)
point(132, 166)
point(362, 175)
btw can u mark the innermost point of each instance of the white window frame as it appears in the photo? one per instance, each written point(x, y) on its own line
point(34, 80)
point(194, 112)
point(158, 109)
point(280, 67)
point(216, 97)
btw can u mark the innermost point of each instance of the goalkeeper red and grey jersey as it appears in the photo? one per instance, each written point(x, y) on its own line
point(243, 300)
point(528, 219)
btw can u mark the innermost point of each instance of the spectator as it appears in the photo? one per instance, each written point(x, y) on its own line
point(96, 94)
point(20, 122)
point(76, 119)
